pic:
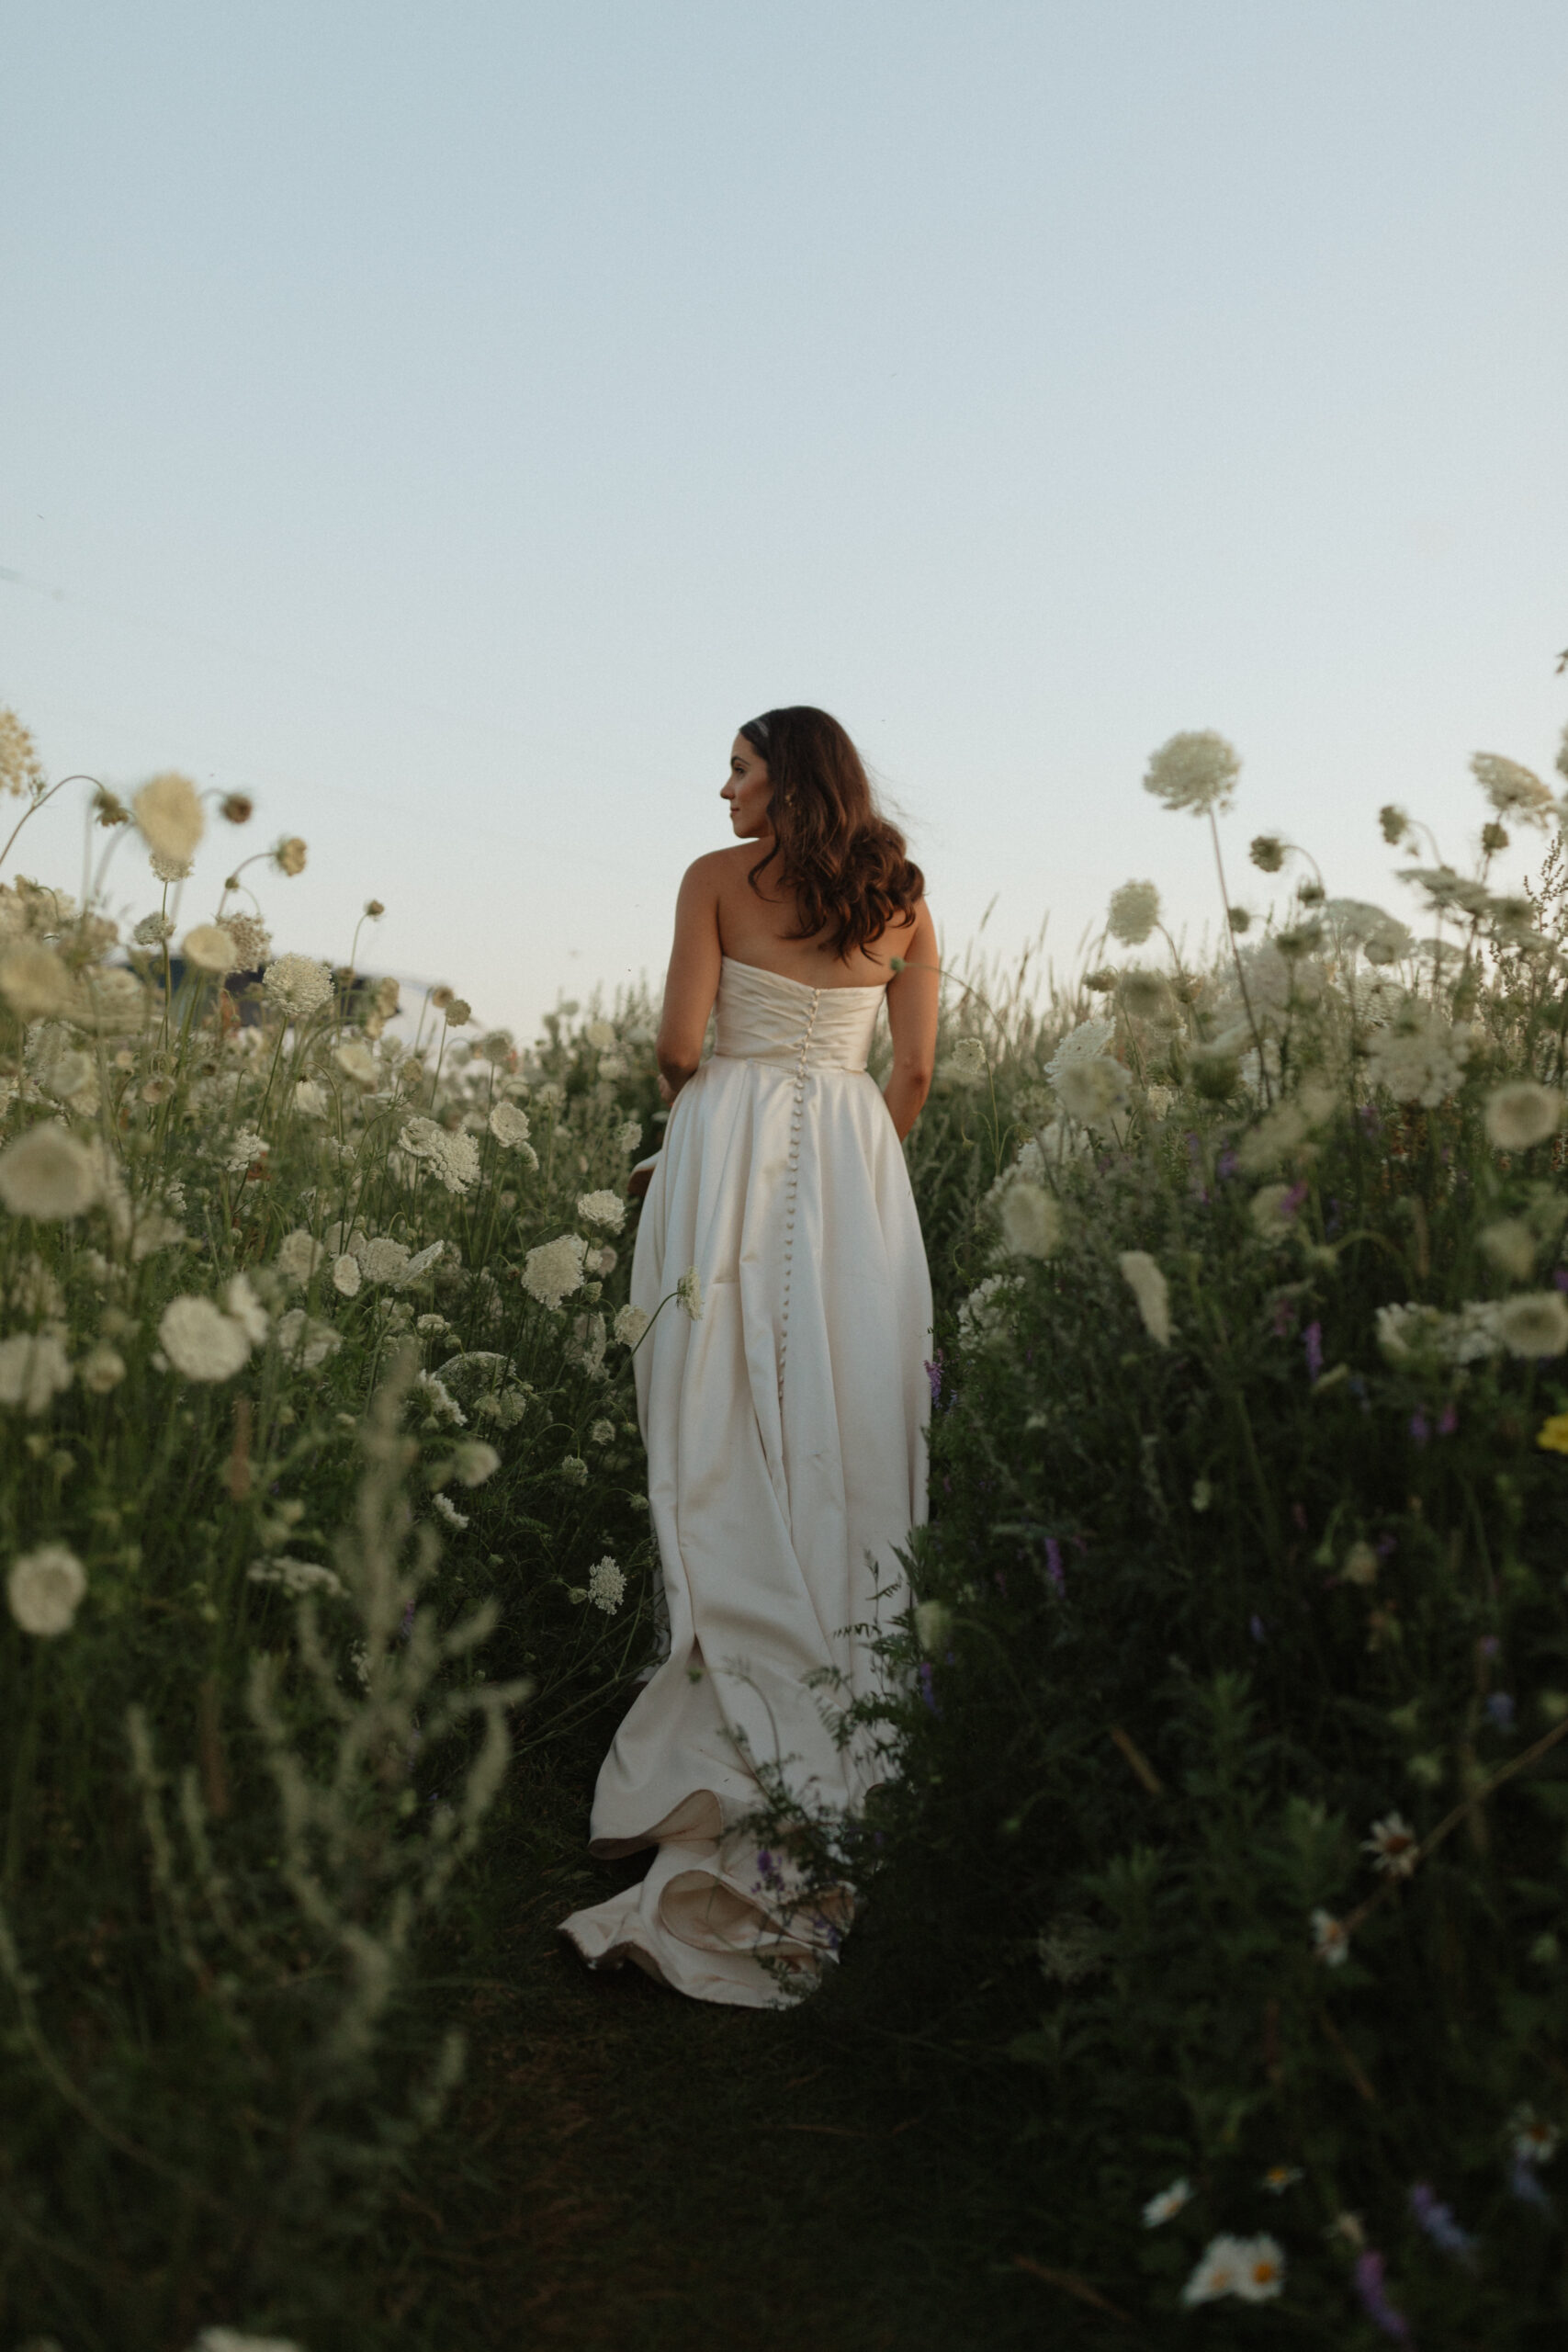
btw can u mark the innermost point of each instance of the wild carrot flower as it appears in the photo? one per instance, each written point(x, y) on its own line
point(1534, 1323)
point(1031, 1221)
point(45, 1588)
point(1196, 771)
point(201, 1341)
point(1134, 910)
point(553, 1271)
point(210, 947)
point(296, 986)
point(35, 983)
point(1521, 1114)
point(607, 1586)
point(603, 1208)
point(169, 815)
point(631, 1323)
point(1147, 1284)
point(689, 1295)
point(933, 1625)
point(48, 1173)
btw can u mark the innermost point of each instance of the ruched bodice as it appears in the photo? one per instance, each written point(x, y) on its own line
point(764, 1017)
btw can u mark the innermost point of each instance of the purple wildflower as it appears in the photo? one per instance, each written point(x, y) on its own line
point(1386, 1547)
point(1369, 2277)
point(1500, 1707)
point(1420, 1428)
point(933, 1374)
point(1258, 1629)
point(1227, 1163)
point(1450, 1422)
point(1526, 2186)
point(1289, 1206)
point(1438, 2221)
point(1559, 1277)
point(408, 1623)
point(926, 1678)
point(1053, 1568)
point(1312, 1340)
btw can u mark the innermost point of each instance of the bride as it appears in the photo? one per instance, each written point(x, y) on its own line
point(784, 1399)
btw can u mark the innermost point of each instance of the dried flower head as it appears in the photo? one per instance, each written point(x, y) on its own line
point(45, 1588)
point(1196, 771)
point(48, 1174)
point(237, 808)
point(1134, 910)
point(152, 931)
point(631, 1323)
point(1268, 853)
point(1394, 823)
point(170, 869)
point(689, 1295)
point(290, 856)
point(169, 817)
point(19, 768)
point(1513, 791)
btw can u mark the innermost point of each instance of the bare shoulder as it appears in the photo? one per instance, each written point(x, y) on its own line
point(704, 877)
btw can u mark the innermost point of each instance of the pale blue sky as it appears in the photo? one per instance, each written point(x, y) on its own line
point(449, 422)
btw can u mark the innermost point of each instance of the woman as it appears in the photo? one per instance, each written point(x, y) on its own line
point(785, 1419)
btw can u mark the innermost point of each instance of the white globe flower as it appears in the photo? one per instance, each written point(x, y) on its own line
point(48, 1174)
point(45, 1588)
point(201, 1341)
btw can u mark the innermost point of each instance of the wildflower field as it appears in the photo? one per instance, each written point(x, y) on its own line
point(1210, 1950)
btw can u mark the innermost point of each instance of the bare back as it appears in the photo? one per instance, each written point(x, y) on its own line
point(756, 922)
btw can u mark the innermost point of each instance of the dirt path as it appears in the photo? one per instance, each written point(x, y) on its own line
point(630, 2168)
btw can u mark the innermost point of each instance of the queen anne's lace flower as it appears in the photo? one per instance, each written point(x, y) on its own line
point(299, 1255)
point(607, 1209)
point(35, 983)
point(553, 1271)
point(305, 1341)
point(210, 947)
point(1134, 910)
point(244, 1148)
point(356, 1062)
point(45, 1588)
point(48, 1174)
point(1088, 1042)
point(201, 1341)
point(1147, 1281)
point(152, 929)
point(1419, 1056)
point(508, 1126)
point(253, 942)
point(169, 817)
point(298, 1578)
point(1194, 771)
point(1521, 1114)
point(34, 1370)
point(1513, 791)
point(20, 770)
point(1534, 1323)
point(629, 1325)
point(1092, 1092)
point(297, 985)
point(573, 1469)
point(1031, 1221)
point(346, 1275)
point(689, 1295)
point(606, 1584)
point(600, 1034)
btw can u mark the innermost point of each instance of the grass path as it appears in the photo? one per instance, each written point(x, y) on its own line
point(626, 2167)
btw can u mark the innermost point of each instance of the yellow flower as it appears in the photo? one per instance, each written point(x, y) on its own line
point(1552, 1434)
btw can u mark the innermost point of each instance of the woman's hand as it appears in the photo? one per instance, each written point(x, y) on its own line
point(639, 1183)
point(666, 1091)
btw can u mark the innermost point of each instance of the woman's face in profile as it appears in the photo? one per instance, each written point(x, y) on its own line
point(748, 791)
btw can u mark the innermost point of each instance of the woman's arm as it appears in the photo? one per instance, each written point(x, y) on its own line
point(911, 1017)
point(692, 982)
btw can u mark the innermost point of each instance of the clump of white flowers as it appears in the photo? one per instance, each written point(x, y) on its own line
point(689, 1295)
point(1521, 1114)
point(1419, 1055)
point(208, 1342)
point(629, 1325)
point(34, 1371)
point(1252, 2269)
point(169, 818)
point(1514, 791)
point(453, 1156)
point(1031, 1221)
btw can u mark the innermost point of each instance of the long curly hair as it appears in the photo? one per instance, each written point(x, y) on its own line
point(832, 847)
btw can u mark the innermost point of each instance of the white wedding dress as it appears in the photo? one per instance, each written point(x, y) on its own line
point(785, 1432)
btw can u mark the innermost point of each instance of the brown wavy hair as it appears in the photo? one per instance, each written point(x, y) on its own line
point(846, 864)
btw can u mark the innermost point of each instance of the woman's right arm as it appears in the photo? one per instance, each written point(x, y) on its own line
point(911, 1017)
point(692, 982)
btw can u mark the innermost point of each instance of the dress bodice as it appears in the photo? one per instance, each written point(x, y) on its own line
point(764, 1017)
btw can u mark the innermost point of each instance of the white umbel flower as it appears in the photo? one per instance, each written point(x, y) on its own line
point(629, 1325)
point(553, 1271)
point(1092, 1092)
point(296, 986)
point(1521, 1114)
point(1534, 1323)
point(34, 1370)
point(201, 1341)
point(299, 1255)
point(356, 1062)
point(210, 947)
point(1147, 1284)
point(347, 1276)
point(48, 1174)
point(305, 1339)
point(101, 1369)
point(1088, 1042)
point(45, 1588)
point(1134, 910)
point(606, 1209)
point(1196, 771)
point(473, 1461)
point(169, 817)
point(508, 1126)
point(606, 1584)
point(933, 1626)
point(689, 1295)
point(449, 1511)
point(1419, 1056)
point(242, 1151)
point(600, 1035)
point(1514, 791)
point(1031, 1221)
point(34, 982)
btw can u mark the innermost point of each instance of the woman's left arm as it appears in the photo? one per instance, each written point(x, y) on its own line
point(692, 982)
